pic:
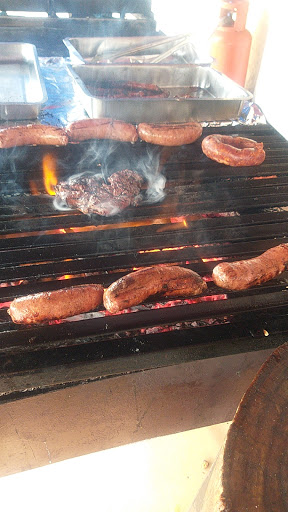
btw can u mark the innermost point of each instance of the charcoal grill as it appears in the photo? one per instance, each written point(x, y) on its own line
point(210, 213)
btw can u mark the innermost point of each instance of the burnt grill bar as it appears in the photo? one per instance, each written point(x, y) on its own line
point(209, 212)
point(61, 333)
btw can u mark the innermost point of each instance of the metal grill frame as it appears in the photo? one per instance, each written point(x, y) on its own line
point(48, 357)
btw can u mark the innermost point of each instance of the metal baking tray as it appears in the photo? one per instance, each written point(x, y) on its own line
point(214, 96)
point(87, 50)
point(22, 90)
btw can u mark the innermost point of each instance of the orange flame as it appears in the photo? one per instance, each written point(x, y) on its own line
point(49, 173)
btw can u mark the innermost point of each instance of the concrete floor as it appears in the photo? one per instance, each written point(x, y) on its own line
point(156, 475)
point(141, 442)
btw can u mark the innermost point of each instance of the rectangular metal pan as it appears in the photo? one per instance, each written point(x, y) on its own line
point(22, 90)
point(214, 96)
point(89, 50)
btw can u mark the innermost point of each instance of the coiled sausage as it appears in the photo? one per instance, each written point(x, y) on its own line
point(234, 151)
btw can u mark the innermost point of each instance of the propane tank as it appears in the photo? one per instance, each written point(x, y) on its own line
point(231, 42)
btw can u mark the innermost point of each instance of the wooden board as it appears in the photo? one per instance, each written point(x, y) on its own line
point(250, 473)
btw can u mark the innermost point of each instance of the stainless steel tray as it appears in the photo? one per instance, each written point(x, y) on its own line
point(86, 50)
point(215, 97)
point(22, 90)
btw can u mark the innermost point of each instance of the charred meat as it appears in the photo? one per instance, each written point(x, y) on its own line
point(122, 89)
point(91, 194)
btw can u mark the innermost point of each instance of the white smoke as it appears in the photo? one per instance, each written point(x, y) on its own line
point(114, 157)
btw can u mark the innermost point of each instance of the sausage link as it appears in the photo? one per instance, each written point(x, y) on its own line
point(46, 306)
point(136, 287)
point(102, 129)
point(181, 282)
point(240, 275)
point(32, 134)
point(170, 134)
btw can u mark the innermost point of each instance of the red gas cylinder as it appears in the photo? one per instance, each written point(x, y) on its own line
point(231, 42)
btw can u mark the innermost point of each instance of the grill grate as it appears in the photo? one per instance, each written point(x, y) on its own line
point(210, 211)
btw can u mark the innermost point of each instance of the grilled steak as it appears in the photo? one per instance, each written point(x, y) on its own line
point(92, 195)
point(126, 183)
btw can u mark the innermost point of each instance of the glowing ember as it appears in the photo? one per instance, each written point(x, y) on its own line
point(13, 283)
point(179, 302)
point(173, 226)
point(83, 229)
point(4, 304)
point(164, 249)
point(49, 173)
point(174, 248)
point(150, 306)
point(212, 259)
point(168, 304)
point(184, 247)
point(264, 177)
point(149, 250)
point(174, 220)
